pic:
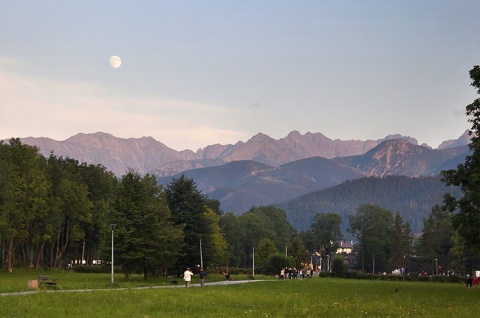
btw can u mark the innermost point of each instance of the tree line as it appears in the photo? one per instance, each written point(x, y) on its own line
point(56, 212)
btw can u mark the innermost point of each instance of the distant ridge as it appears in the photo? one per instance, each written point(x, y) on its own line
point(149, 155)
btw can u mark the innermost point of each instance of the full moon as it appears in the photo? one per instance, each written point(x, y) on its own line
point(115, 61)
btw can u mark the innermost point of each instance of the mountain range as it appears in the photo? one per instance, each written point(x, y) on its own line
point(265, 171)
point(147, 155)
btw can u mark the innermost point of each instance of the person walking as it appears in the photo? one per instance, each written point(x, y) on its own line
point(469, 282)
point(187, 277)
point(203, 273)
point(226, 274)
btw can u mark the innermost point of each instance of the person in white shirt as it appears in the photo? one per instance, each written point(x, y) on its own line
point(187, 277)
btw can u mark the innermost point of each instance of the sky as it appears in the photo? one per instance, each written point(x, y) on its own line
point(197, 73)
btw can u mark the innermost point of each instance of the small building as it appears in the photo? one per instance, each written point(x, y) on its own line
point(345, 247)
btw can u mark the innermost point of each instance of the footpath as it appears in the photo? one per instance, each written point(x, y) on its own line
point(231, 282)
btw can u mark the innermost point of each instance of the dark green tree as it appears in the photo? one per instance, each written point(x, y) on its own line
point(276, 262)
point(70, 209)
point(262, 252)
point(400, 248)
point(235, 237)
point(23, 197)
point(265, 222)
point(436, 239)
point(326, 232)
point(188, 207)
point(466, 219)
point(101, 185)
point(464, 258)
point(371, 225)
point(145, 237)
point(299, 253)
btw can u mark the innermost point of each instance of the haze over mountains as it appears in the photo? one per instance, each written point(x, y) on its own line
point(265, 171)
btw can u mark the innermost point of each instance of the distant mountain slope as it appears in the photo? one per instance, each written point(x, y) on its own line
point(399, 157)
point(239, 185)
point(463, 140)
point(412, 197)
point(116, 154)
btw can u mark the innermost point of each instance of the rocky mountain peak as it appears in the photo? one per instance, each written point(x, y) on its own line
point(146, 154)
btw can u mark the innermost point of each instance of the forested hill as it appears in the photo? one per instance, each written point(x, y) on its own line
point(412, 197)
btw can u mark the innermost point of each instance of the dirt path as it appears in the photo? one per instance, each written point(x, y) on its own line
point(232, 282)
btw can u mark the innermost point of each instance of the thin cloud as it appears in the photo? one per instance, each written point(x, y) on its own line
point(62, 109)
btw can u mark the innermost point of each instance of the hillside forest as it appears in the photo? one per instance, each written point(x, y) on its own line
point(56, 213)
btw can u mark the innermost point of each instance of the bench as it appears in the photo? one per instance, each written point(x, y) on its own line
point(171, 280)
point(46, 280)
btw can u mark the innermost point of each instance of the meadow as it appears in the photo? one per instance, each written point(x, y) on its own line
point(316, 297)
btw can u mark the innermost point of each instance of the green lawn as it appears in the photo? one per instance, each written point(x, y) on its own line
point(317, 297)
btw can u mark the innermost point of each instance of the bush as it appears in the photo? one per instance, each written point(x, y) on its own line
point(338, 266)
point(91, 269)
point(455, 279)
point(438, 278)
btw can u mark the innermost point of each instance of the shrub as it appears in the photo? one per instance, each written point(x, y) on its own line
point(91, 269)
point(276, 262)
point(338, 266)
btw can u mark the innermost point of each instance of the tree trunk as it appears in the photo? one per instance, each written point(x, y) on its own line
point(363, 261)
point(61, 244)
point(145, 273)
point(39, 256)
point(10, 256)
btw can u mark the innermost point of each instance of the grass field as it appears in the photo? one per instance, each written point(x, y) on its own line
point(316, 297)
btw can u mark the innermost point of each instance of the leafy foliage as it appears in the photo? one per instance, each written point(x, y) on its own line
point(371, 226)
point(467, 218)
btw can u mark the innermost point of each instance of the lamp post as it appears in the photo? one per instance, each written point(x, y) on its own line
point(113, 227)
point(328, 262)
point(83, 252)
point(201, 254)
point(253, 261)
point(436, 266)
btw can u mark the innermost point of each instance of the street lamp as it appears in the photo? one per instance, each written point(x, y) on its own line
point(253, 262)
point(201, 254)
point(83, 252)
point(113, 227)
point(436, 266)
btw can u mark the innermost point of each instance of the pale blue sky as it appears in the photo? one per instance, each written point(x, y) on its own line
point(196, 73)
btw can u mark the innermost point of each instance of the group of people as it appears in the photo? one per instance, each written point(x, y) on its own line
point(471, 281)
point(293, 273)
point(188, 274)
